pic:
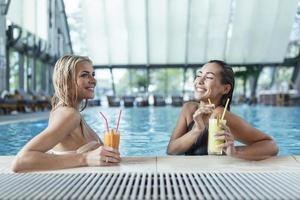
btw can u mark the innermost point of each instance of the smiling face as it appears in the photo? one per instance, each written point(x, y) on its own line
point(208, 84)
point(85, 80)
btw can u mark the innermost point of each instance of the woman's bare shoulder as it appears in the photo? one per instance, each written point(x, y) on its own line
point(65, 113)
point(190, 106)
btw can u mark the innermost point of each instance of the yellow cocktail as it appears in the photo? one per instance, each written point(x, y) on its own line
point(214, 126)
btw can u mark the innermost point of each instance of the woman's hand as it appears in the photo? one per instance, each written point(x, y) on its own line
point(228, 145)
point(202, 115)
point(103, 156)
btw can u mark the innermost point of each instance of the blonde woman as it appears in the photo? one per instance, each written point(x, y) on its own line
point(67, 141)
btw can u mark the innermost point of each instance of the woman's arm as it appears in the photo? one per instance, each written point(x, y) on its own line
point(181, 140)
point(33, 156)
point(258, 144)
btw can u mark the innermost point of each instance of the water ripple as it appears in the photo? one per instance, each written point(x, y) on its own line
point(146, 131)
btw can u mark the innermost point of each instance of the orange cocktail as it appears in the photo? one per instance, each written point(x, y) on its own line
point(112, 138)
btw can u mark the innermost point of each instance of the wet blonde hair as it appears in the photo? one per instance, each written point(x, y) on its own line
point(64, 81)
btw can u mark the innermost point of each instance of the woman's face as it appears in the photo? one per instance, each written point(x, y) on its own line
point(208, 83)
point(85, 80)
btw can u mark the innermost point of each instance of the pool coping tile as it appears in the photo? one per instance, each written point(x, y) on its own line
point(183, 164)
point(5, 164)
point(297, 158)
point(128, 164)
point(225, 164)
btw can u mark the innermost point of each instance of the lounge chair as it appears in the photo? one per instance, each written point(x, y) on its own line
point(295, 100)
point(2, 110)
point(113, 101)
point(94, 102)
point(8, 104)
point(42, 100)
point(159, 100)
point(142, 101)
point(26, 100)
point(177, 101)
point(128, 101)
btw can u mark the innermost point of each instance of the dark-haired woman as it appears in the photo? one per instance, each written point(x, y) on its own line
point(215, 81)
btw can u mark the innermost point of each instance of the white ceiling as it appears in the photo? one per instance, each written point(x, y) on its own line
point(129, 32)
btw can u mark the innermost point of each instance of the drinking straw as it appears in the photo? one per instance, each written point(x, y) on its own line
point(209, 101)
point(105, 121)
point(119, 119)
point(227, 101)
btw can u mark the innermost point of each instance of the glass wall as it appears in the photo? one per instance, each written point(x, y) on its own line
point(25, 74)
point(39, 82)
point(167, 81)
point(30, 74)
point(159, 81)
point(14, 70)
point(104, 84)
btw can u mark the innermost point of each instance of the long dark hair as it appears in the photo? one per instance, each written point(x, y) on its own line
point(227, 77)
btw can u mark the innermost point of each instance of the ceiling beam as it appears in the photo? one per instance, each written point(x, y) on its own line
point(187, 36)
point(197, 65)
point(147, 32)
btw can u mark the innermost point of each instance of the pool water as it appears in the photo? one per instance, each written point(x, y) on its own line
point(146, 131)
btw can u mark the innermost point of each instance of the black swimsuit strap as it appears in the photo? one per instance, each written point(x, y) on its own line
point(200, 146)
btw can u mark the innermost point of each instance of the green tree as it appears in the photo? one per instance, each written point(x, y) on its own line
point(167, 81)
point(133, 80)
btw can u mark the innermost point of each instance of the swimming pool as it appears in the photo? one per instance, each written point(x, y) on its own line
point(146, 131)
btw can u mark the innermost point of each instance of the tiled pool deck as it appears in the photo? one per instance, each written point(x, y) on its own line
point(183, 164)
point(20, 117)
